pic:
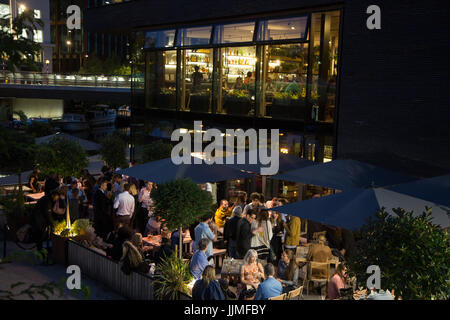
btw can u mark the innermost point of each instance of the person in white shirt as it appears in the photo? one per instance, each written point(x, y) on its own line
point(124, 203)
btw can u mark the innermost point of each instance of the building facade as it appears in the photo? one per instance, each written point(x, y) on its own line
point(41, 11)
point(315, 69)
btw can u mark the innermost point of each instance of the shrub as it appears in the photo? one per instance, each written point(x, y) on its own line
point(412, 253)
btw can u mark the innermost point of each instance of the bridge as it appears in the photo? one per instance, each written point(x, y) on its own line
point(66, 87)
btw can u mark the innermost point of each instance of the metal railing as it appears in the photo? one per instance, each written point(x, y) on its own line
point(72, 80)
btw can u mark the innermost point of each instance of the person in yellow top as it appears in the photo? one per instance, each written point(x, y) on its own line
point(222, 213)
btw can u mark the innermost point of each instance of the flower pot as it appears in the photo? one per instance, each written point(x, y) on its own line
point(200, 103)
point(237, 106)
point(59, 248)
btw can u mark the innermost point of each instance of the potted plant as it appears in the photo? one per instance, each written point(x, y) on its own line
point(289, 105)
point(166, 98)
point(62, 232)
point(237, 102)
point(200, 101)
point(180, 202)
point(172, 279)
point(413, 255)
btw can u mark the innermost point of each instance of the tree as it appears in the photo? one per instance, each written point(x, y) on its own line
point(16, 50)
point(413, 254)
point(180, 202)
point(62, 156)
point(112, 151)
point(39, 129)
point(16, 153)
point(156, 150)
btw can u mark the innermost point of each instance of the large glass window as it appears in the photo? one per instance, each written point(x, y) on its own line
point(324, 39)
point(194, 36)
point(285, 79)
point(282, 29)
point(161, 79)
point(236, 88)
point(197, 79)
point(159, 39)
point(234, 32)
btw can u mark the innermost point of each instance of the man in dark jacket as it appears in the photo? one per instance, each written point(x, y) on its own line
point(230, 232)
point(244, 233)
point(51, 183)
point(103, 223)
point(42, 219)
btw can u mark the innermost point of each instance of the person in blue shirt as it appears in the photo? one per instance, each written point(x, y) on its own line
point(270, 287)
point(203, 231)
point(199, 260)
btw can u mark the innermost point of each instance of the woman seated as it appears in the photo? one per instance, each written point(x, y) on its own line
point(138, 243)
point(132, 259)
point(207, 288)
point(287, 272)
point(337, 282)
point(251, 274)
point(94, 242)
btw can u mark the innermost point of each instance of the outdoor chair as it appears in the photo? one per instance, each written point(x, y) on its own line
point(312, 265)
point(296, 293)
point(280, 297)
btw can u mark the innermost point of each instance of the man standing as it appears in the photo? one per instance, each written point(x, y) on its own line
point(124, 204)
point(244, 233)
point(255, 199)
point(271, 287)
point(203, 231)
point(103, 222)
point(230, 229)
point(199, 259)
point(292, 232)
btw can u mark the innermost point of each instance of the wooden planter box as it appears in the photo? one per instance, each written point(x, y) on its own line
point(237, 106)
point(59, 248)
point(135, 286)
point(200, 103)
point(284, 108)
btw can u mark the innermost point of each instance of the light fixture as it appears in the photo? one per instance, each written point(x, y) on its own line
point(293, 28)
point(284, 150)
point(68, 42)
point(47, 61)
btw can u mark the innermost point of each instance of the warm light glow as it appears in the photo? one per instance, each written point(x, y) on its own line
point(47, 61)
point(68, 42)
point(327, 160)
point(284, 150)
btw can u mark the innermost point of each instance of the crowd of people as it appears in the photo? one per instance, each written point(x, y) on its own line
point(250, 230)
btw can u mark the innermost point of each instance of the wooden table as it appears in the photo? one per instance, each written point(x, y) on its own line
point(155, 242)
point(219, 256)
point(35, 196)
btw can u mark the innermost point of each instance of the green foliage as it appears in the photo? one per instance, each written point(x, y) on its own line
point(293, 88)
point(62, 156)
point(15, 209)
point(15, 50)
point(112, 151)
point(180, 202)
point(39, 129)
point(110, 66)
point(172, 277)
point(238, 94)
point(22, 116)
point(17, 151)
point(59, 227)
point(412, 253)
point(156, 150)
point(80, 226)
